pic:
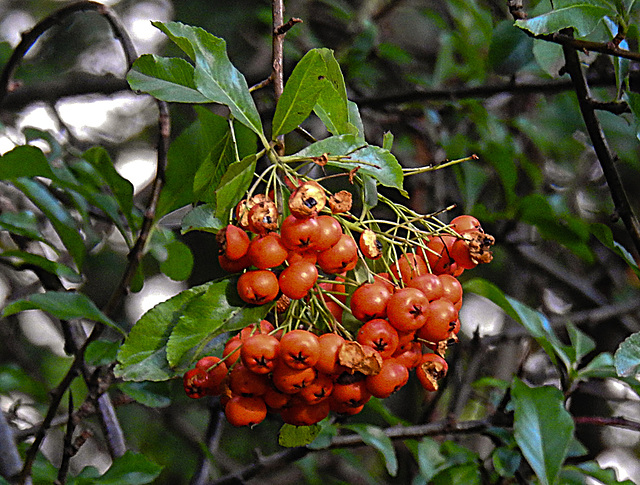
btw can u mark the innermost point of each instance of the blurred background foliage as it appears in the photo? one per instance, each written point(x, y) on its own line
point(448, 79)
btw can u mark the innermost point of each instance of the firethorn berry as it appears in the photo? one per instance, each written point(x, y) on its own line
point(461, 254)
point(299, 349)
point(232, 349)
point(195, 382)
point(216, 370)
point(439, 253)
point(409, 354)
point(307, 200)
point(245, 411)
point(259, 353)
point(264, 326)
point(409, 266)
point(318, 390)
point(258, 287)
point(335, 309)
point(452, 289)
point(392, 376)
point(380, 335)
point(275, 399)
point(299, 234)
point(236, 266)
point(245, 382)
point(297, 279)
point(369, 245)
point(408, 309)
point(442, 316)
point(295, 256)
point(431, 369)
point(370, 301)
point(329, 233)
point(328, 362)
point(233, 242)
point(349, 395)
point(341, 257)
point(466, 223)
point(267, 251)
point(290, 380)
point(302, 414)
point(429, 284)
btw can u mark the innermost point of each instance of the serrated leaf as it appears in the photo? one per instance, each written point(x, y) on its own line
point(213, 168)
point(375, 437)
point(355, 120)
point(371, 160)
point(186, 153)
point(233, 185)
point(506, 461)
point(627, 357)
point(143, 355)
point(128, 469)
point(201, 218)
point(57, 214)
point(605, 236)
point(583, 18)
point(214, 312)
point(291, 436)
point(101, 352)
point(306, 82)
point(179, 261)
point(53, 267)
point(119, 186)
point(215, 76)
point(168, 79)
point(151, 394)
point(543, 428)
point(23, 224)
point(65, 305)
point(24, 161)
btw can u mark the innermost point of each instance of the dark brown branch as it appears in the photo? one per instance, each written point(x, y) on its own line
point(601, 147)
point(616, 421)
point(284, 28)
point(29, 38)
point(68, 450)
point(608, 48)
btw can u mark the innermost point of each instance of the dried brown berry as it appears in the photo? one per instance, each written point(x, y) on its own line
point(359, 358)
point(340, 202)
point(307, 200)
point(245, 205)
point(263, 217)
point(369, 244)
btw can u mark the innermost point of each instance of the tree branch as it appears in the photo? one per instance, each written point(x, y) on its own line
point(601, 147)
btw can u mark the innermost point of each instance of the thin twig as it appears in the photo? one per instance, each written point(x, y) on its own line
point(67, 448)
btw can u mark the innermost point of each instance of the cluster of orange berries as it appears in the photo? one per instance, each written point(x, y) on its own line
point(302, 376)
point(408, 315)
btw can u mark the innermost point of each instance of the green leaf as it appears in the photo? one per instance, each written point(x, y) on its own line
point(201, 218)
point(186, 153)
point(332, 106)
point(633, 100)
point(143, 355)
point(128, 469)
point(543, 428)
point(307, 81)
point(510, 49)
point(429, 458)
point(119, 186)
point(627, 357)
point(151, 394)
point(605, 236)
point(371, 160)
point(65, 305)
point(620, 65)
point(581, 344)
point(57, 214)
point(215, 76)
point(375, 437)
point(24, 161)
point(233, 185)
point(506, 461)
point(240, 142)
point(583, 18)
point(218, 310)
point(355, 120)
point(15, 379)
point(604, 475)
point(549, 57)
point(168, 79)
point(53, 267)
point(23, 224)
point(469, 474)
point(101, 352)
point(179, 261)
point(490, 291)
point(291, 436)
